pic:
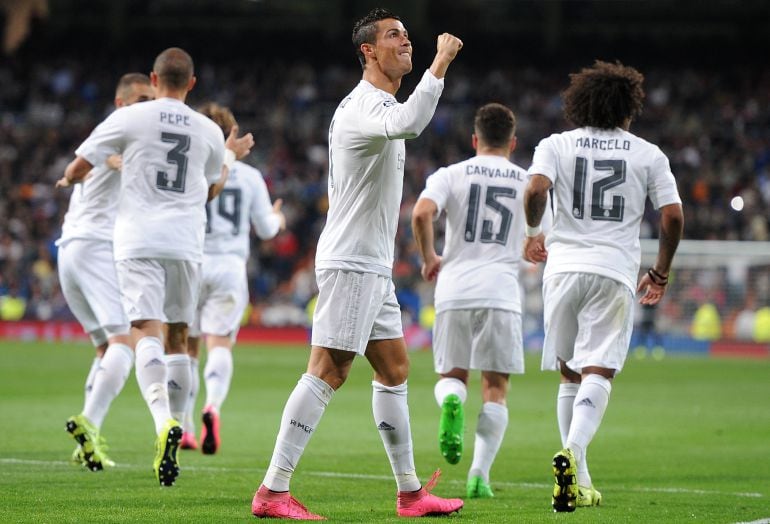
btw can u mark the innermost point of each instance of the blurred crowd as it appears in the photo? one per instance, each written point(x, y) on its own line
point(713, 125)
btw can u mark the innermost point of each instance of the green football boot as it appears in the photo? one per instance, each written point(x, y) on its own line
point(588, 496)
point(565, 489)
point(165, 465)
point(91, 451)
point(476, 488)
point(451, 429)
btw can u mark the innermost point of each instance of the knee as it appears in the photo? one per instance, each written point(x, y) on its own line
point(394, 375)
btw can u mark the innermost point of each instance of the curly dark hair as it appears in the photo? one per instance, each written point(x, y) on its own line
point(604, 95)
point(494, 125)
point(365, 30)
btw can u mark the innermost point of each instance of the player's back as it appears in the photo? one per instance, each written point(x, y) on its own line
point(601, 179)
point(483, 200)
point(171, 155)
point(243, 201)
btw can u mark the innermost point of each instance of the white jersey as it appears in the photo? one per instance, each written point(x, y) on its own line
point(601, 180)
point(244, 199)
point(483, 199)
point(366, 174)
point(93, 207)
point(171, 154)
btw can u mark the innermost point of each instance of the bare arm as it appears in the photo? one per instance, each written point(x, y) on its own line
point(75, 172)
point(671, 226)
point(240, 147)
point(535, 201)
point(422, 227)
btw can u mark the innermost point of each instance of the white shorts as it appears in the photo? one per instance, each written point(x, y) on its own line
point(588, 321)
point(483, 339)
point(159, 289)
point(90, 286)
point(354, 308)
point(223, 298)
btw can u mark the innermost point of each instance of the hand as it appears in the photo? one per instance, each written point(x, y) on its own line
point(240, 146)
point(115, 162)
point(431, 268)
point(63, 182)
point(534, 249)
point(277, 210)
point(653, 293)
point(448, 46)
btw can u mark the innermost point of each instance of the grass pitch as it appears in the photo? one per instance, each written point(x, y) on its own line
point(683, 440)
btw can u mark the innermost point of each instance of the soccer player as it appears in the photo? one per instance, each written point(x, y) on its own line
point(477, 300)
point(357, 312)
point(173, 161)
point(92, 290)
point(224, 288)
point(601, 175)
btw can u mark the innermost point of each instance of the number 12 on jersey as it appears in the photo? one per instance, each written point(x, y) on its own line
point(491, 200)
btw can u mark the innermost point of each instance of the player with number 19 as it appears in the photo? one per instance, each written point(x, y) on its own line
point(173, 161)
point(224, 287)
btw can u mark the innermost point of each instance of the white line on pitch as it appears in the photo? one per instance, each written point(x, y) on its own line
point(364, 476)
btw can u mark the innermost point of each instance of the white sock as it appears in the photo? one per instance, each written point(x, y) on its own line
point(178, 365)
point(195, 380)
point(391, 416)
point(108, 382)
point(493, 419)
point(448, 386)
point(587, 412)
point(90, 378)
point(151, 375)
point(217, 374)
point(564, 403)
point(301, 416)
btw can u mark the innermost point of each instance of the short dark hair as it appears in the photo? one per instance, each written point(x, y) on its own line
point(494, 125)
point(221, 115)
point(174, 68)
point(604, 95)
point(129, 79)
point(365, 30)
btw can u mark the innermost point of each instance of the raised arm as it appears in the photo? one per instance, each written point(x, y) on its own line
point(409, 119)
point(235, 148)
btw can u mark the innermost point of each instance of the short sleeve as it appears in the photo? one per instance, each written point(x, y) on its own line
point(545, 160)
point(216, 157)
point(265, 222)
point(438, 189)
point(661, 184)
point(108, 138)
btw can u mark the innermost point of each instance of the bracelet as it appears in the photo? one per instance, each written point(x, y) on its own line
point(657, 278)
point(229, 158)
point(533, 231)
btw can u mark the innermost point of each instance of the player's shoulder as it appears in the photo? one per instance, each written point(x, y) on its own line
point(244, 170)
point(367, 95)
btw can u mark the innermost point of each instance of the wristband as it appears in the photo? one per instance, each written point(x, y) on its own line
point(657, 278)
point(533, 231)
point(229, 158)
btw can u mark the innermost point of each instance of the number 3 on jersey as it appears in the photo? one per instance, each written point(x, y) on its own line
point(177, 157)
point(493, 193)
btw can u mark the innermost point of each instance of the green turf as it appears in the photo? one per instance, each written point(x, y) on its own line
point(683, 440)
